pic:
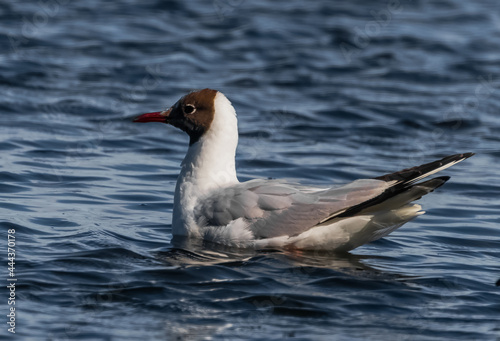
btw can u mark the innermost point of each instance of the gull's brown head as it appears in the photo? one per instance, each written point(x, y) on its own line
point(193, 114)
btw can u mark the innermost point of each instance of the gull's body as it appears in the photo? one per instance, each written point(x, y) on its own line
point(211, 204)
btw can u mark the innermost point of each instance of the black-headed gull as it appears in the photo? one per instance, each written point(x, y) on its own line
point(211, 204)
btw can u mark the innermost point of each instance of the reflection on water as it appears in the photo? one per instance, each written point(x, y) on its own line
point(196, 252)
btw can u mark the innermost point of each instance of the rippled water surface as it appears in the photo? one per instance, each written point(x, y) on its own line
point(326, 92)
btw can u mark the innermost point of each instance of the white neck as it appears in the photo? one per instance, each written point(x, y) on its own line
point(209, 164)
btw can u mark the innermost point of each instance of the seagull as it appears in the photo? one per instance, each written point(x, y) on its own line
point(210, 203)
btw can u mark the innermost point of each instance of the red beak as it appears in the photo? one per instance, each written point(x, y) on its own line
point(159, 116)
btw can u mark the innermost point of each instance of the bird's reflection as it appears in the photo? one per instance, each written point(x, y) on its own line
point(195, 252)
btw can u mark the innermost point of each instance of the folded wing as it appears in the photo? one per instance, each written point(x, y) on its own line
point(270, 208)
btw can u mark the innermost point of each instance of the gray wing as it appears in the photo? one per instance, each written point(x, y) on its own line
point(270, 208)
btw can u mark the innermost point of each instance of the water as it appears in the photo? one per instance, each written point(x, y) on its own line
point(326, 92)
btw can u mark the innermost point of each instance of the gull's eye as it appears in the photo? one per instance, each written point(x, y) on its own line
point(189, 109)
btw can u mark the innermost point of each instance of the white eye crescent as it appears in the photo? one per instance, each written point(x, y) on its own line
point(189, 109)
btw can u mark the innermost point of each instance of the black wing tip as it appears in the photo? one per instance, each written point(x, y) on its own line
point(462, 156)
point(407, 175)
point(443, 178)
point(434, 182)
point(452, 158)
point(440, 179)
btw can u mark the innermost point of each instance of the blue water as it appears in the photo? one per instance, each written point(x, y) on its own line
point(326, 92)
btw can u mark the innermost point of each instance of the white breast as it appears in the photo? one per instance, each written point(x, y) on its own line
point(209, 164)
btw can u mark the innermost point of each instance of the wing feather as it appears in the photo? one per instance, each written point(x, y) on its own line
point(271, 208)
